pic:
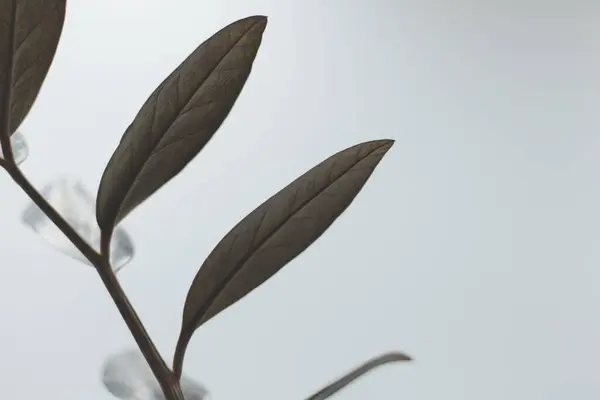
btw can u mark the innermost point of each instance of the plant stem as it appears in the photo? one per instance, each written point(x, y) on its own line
point(163, 374)
point(179, 355)
point(168, 384)
point(81, 245)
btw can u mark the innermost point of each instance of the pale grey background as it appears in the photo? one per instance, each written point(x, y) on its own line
point(474, 247)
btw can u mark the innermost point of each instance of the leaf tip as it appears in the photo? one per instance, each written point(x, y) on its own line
point(380, 147)
point(395, 356)
point(387, 143)
point(260, 20)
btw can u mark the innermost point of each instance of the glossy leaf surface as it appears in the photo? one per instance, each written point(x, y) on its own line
point(178, 119)
point(275, 233)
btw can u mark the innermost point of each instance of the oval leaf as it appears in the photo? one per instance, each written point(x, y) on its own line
point(356, 373)
point(29, 34)
point(276, 232)
point(178, 119)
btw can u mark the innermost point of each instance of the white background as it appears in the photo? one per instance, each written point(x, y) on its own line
point(474, 247)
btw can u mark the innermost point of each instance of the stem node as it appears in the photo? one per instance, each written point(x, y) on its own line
point(101, 261)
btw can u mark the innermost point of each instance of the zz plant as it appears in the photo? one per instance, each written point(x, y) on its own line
point(170, 129)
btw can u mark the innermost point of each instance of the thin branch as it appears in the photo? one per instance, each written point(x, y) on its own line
point(6, 132)
point(179, 355)
point(169, 385)
point(356, 373)
point(81, 245)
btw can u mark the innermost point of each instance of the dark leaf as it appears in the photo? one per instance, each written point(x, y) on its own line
point(276, 232)
point(178, 119)
point(29, 34)
point(356, 373)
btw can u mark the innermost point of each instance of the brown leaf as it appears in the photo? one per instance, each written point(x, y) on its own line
point(356, 373)
point(29, 35)
point(276, 232)
point(178, 119)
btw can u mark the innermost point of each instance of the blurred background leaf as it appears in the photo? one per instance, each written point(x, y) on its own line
point(358, 372)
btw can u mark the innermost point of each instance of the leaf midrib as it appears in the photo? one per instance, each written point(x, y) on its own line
point(135, 180)
point(239, 266)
